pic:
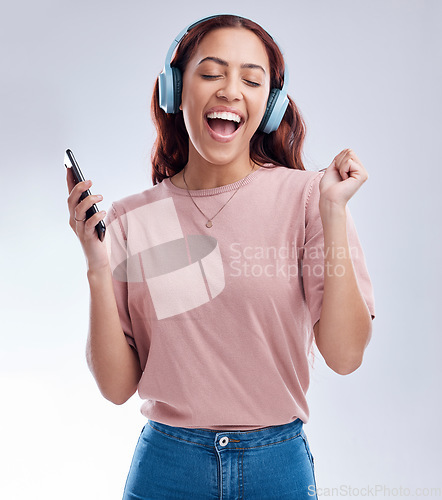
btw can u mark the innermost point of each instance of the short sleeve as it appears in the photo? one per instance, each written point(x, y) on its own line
point(313, 255)
point(115, 240)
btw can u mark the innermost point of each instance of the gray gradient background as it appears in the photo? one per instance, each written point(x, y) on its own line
point(365, 75)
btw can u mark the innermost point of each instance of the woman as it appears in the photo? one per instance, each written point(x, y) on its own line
point(214, 283)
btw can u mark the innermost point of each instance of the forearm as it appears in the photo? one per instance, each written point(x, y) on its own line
point(113, 363)
point(345, 322)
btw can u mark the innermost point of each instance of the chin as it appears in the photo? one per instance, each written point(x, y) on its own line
point(219, 160)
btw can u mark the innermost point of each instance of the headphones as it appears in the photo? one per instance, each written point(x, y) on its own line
point(171, 84)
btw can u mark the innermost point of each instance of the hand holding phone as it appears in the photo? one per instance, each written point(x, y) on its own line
point(70, 162)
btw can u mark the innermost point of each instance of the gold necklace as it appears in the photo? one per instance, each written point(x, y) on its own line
point(209, 222)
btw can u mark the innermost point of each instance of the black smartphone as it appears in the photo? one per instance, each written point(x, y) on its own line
point(70, 162)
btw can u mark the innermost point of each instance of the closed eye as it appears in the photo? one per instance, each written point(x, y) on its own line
point(209, 77)
point(253, 83)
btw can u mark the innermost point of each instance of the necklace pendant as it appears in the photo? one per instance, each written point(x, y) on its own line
point(209, 223)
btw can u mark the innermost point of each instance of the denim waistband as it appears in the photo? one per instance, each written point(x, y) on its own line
point(250, 438)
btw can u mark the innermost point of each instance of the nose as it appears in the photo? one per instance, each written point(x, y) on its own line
point(230, 89)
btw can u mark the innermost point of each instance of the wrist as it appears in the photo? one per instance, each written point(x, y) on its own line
point(98, 273)
point(330, 210)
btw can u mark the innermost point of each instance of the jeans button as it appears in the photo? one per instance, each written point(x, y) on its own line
point(224, 441)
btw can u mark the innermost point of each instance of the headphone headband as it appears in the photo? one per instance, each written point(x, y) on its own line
point(181, 35)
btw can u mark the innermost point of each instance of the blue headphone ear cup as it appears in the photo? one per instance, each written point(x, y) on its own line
point(276, 107)
point(269, 108)
point(177, 89)
point(165, 89)
point(169, 86)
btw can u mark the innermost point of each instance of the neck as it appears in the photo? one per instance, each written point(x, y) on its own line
point(201, 174)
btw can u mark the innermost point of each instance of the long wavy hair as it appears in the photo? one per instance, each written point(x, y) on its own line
point(171, 148)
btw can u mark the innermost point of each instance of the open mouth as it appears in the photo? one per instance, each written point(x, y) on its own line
point(223, 130)
point(223, 127)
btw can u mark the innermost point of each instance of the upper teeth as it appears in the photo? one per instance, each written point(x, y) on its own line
point(225, 116)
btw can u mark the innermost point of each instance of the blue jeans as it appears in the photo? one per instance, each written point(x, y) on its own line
point(192, 464)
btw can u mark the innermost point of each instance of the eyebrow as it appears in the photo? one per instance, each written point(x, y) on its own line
point(225, 63)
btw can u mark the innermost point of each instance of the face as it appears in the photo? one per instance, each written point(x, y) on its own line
point(230, 69)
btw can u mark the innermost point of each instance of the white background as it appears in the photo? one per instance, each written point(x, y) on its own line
point(366, 75)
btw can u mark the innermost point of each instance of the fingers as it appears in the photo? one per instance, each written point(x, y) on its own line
point(342, 155)
point(346, 154)
point(76, 191)
point(89, 225)
point(77, 208)
point(343, 162)
point(84, 205)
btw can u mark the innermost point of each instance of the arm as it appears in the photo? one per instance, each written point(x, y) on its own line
point(345, 325)
point(110, 358)
point(113, 363)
